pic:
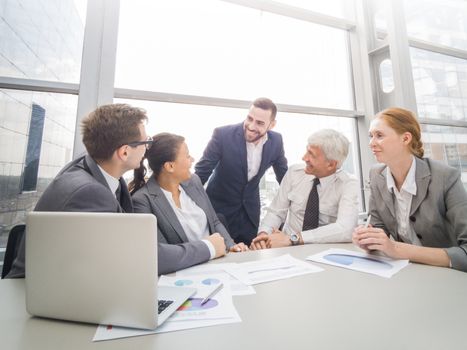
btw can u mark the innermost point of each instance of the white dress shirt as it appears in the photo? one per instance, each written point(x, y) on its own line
point(111, 181)
point(254, 153)
point(192, 218)
point(403, 204)
point(338, 206)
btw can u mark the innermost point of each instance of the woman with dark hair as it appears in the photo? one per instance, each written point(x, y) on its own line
point(418, 202)
point(177, 198)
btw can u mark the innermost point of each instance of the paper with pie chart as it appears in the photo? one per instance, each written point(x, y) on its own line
point(359, 261)
point(218, 310)
point(219, 306)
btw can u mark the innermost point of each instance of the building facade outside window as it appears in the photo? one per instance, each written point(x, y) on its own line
point(38, 40)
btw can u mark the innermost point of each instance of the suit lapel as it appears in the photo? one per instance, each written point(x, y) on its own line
point(165, 208)
point(387, 196)
point(125, 198)
point(92, 167)
point(422, 179)
point(125, 205)
point(265, 155)
point(195, 196)
point(240, 144)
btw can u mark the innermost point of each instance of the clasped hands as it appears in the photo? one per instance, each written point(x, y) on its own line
point(274, 240)
point(373, 238)
point(219, 245)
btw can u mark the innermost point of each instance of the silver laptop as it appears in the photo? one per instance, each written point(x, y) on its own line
point(97, 268)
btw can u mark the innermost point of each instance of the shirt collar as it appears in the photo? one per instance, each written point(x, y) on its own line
point(168, 193)
point(409, 185)
point(111, 181)
point(324, 181)
point(260, 143)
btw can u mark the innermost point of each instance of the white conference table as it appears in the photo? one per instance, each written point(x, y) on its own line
point(421, 307)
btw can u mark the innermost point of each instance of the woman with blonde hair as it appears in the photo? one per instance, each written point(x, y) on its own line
point(418, 206)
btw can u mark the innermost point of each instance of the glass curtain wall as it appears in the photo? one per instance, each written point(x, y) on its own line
point(440, 78)
point(203, 60)
point(39, 39)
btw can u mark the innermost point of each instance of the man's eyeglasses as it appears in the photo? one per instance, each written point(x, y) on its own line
point(147, 143)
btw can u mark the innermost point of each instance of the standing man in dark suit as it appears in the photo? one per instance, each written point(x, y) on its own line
point(116, 140)
point(237, 156)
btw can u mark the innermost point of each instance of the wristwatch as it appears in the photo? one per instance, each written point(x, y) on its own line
point(294, 238)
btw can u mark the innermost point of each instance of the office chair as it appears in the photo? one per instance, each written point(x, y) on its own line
point(16, 233)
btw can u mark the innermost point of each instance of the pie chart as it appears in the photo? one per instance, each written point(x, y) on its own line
point(357, 261)
point(181, 283)
point(210, 281)
point(195, 305)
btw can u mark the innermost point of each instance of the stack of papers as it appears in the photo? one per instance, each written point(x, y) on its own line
point(192, 314)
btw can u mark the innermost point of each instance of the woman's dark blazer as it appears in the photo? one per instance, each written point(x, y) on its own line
point(151, 199)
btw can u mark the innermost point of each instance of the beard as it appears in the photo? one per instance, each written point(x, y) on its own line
point(252, 138)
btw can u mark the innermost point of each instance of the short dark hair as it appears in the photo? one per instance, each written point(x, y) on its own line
point(267, 105)
point(110, 126)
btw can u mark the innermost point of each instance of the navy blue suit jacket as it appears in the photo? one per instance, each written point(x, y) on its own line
point(229, 190)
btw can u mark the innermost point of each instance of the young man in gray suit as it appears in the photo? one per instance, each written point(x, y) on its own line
point(116, 140)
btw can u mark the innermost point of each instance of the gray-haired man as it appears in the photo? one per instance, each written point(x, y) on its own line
point(317, 201)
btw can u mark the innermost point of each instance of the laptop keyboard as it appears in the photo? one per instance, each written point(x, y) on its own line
point(163, 304)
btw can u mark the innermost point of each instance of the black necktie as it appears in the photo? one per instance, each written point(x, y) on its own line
point(311, 217)
point(118, 193)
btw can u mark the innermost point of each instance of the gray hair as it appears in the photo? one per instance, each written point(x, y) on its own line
point(334, 145)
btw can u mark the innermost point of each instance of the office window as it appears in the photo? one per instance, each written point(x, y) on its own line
point(386, 76)
point(38, 40)
point(441, 22)
point(196, 124)
point(447, 144)
point(219, 49)
point(440, 85)
point(336, 8)
point(24, 170)
point(41, 39)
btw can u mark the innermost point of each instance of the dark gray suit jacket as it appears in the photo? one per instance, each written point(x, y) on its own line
point(438, 214)
point(80, 186)
point(151, 199)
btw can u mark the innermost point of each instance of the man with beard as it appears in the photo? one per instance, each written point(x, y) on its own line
point(237, 156)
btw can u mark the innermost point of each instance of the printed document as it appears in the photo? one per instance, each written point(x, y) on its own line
point(360, 261)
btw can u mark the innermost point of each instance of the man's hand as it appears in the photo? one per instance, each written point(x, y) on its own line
point(278, 239)
point(260, 242)
point(218, 242)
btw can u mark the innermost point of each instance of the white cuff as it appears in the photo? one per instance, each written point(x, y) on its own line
point(210, 246)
